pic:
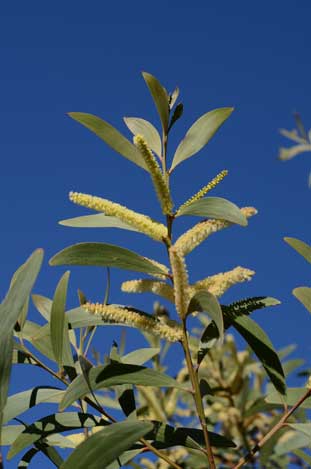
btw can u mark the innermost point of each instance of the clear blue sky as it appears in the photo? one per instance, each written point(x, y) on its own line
point(58, 57)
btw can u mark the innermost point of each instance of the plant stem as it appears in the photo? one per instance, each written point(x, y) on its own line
point(273, 430)
point(160, 454)
point(197, 396)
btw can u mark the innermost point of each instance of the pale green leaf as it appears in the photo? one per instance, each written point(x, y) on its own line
point(114, 374)
point(293, 395)
point(290, 441)
point(105, 255)
point(111, 136)
point(140, 356)
point(215, 207)
point(142, 127)
point(106, 445)
point(59, 326)
point(303, 294)
point(160, 98)
point(302, 248)
point(200, 134)
point(289, 153)
point(10, 309)
point(99, 220)
point(43, 305)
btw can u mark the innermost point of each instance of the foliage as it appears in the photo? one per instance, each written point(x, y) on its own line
point(223, 407)
point(300, 137)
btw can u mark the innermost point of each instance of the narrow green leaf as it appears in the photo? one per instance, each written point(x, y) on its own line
point(59, 325)
point(43, 305)
point(111, 136)
point(304, 428)
point(32, 332)
point(165, 436)
point(10, 309)
point(22, 401)
point(304, 456)
point(200, 134)
point(124, 458)
point(142, 127)
point(292, 365)
point(99, 220)
point(215, 207)
point(160, 98)
point(289, 153)
point(292, 135)
point(106, 445)
point(232, 311)
point(178, 112)
point(302, 248)
point(105, 255)
point(291, 441)
point(303, 294)
point(10, 433)
point(55, 423)
point(173, 97)
point(293, 395)
point(113, 374)
point(140, 356)
point(263, 349)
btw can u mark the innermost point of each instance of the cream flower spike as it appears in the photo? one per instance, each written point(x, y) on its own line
point(169, 331)
point(188, 241)
point(158, 180)
point(149, 286)
point(218, 284)
point(141, 222)
point(181, 283)
point(202, 192)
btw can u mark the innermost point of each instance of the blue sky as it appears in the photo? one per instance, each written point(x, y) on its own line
point(88, 57)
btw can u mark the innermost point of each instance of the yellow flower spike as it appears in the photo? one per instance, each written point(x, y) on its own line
point(181, 284)
point(141, 222)
point(170, 331)
point(218, 284)
point(188, 241)
point(149, 286)
point(158, 180)
point(202, 192)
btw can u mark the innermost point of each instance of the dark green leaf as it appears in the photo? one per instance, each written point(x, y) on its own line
point(55, 423)
point(263, 349)
point(105, 255)
point(302, 248)
point(115, 374)
point(160, 98)
point(106, 445)
point(215, 207)
point(178, 112)
point(230, 312)
point(58, 324)
point(303, 294)
point(111, 136)
point(200, 134)
point(10, 309)
point(165, 436)
point(142, 127)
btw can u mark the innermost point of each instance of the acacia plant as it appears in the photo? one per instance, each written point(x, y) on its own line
point(223, 407)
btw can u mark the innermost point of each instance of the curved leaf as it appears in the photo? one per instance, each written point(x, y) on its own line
point(43, 305)
point(289, 153)
point(111, 136)
point(200, 134)
point(160, 98)
point(302, 248)
point(114, 374)
point(215, 207)
point(105, 255)
point(147, 130)
point(303, 294)
point(10, 309)
point(140, 356)
point(263, 349)
point(58, 324)
point(165, 436)
point(22, 401)
point(107, 445)
point(293, 395)
point(55, 423)
point(99, 220)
